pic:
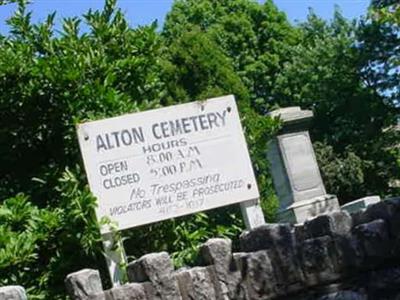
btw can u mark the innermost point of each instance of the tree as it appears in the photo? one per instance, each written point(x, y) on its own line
point(379, 36)
point(326, 74)
point(316, 65)
point(256, 37)
point(196, 68)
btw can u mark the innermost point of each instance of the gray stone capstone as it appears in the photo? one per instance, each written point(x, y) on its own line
point(158, 269)
point(12, 292)
point(84, 284)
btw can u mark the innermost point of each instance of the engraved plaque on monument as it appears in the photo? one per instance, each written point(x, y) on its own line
point(302, 168)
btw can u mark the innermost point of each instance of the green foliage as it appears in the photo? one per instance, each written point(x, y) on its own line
point(4, 2)
point(322, 66)
point(113, 68)
point(36, 244)
point(196, 68)
point(379, 33)
point(326, 75)
point(255, 37)
point(24, 230)
point(342, 173)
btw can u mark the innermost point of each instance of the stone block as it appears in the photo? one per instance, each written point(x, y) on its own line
point(259, 282)
point(265, 237)
point(374, 240)
point(150, 291)
point(299, 233)
point(301, 211)
point(12, 292)
point(360, 204)
point(294, 114)
point(384, 284)
point(281, 242)
point(218, 254)
point(344, 295)
point(84, 283)
point(388, 210)
point(358, 217)
point(158, 269)
point(239, 293)
point(196, 283)
point(384, 280)
point(332, 224)
point(284, 258)
point(130, 291)
point(319, 261)
point(350, 255)
point(100, 296)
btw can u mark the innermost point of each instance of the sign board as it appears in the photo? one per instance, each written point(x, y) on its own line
point(164, 163)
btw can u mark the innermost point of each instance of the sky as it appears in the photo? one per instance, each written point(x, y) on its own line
point(141, 12)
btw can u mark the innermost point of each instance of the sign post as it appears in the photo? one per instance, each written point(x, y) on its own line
point(252, 213)
point(160, 164)
point(115, 257)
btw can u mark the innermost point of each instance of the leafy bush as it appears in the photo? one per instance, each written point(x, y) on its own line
point(39, 246)
point(24, 230)
point(50, 83)
point(343, 175)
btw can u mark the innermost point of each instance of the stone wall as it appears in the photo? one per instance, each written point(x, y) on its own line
point(334, 256)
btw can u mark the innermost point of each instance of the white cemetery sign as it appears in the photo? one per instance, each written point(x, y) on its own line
point(164, 163)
